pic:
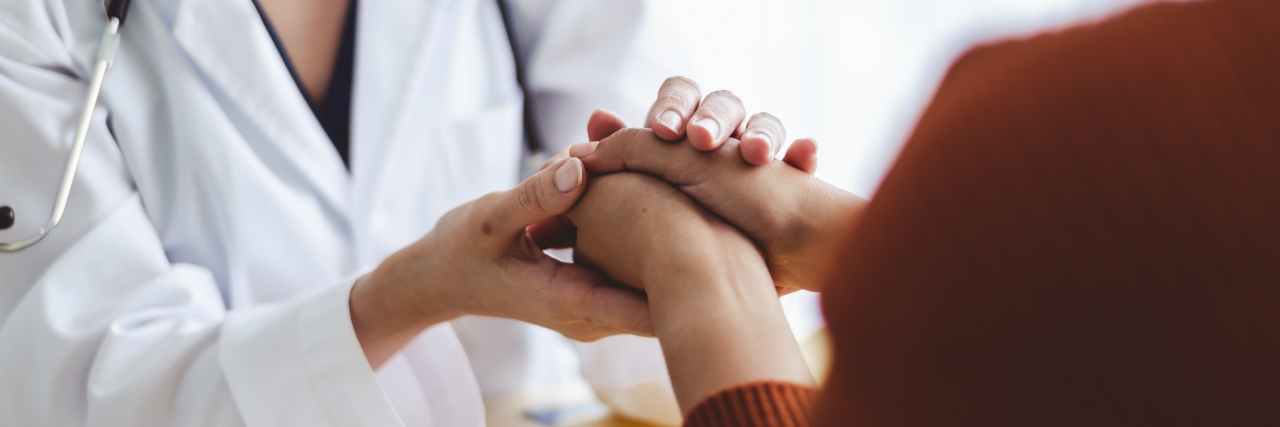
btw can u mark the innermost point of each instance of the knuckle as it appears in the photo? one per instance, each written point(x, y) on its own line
point(722, 104)
point(727, 99)
point(768, 123)
point(532, 198)
point(717, 110)
point(680, 82)
point(679, 99)
point(625, 140)
point(629, 134)
point(680, 92)
point(727, 94)
point(764, 117)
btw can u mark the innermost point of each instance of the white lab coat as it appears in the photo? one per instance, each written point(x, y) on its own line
point(201, 274)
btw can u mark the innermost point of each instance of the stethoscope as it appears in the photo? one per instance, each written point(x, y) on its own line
point(115, 14)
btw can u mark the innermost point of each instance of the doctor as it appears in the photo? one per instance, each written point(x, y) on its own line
point(235, 244)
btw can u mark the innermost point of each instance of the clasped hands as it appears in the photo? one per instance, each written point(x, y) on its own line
point(681, 231)
point(706, 228)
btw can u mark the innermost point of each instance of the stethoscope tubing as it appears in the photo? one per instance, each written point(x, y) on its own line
point(106, 56)
point(116, 12)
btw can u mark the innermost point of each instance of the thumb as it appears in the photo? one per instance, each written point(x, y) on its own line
point(548, 193)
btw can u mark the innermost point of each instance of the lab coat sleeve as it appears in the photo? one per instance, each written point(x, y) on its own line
point(584, 55)
point(99, 328)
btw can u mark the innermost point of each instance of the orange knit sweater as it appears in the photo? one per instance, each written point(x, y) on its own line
point(1083, 229)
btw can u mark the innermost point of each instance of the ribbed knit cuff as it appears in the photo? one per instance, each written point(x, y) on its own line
point(765, 403)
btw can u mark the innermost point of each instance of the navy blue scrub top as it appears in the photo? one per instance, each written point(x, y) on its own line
point(334, 114)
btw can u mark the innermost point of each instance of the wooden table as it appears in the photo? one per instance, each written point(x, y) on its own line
point(816, 349)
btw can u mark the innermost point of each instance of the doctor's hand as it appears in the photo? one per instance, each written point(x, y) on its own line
point(794, 216)
point(479, 260)
point(681, 112)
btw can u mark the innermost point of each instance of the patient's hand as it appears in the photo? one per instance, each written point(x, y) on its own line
point(795, 217)
point(638, 229)
point(710, 295)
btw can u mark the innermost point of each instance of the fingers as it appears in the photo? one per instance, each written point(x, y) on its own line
point(678, 98)
point(563, 154)
point(553, 233)
point(603, 123)
point(762, 139)
point(716, 120)
point(583, 149)
point(803, 155)
point(639, 150)
point(546, 194)
point(617, 308)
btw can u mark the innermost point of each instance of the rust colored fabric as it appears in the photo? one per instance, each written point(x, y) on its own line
point(1084, 229)
point(775, 404)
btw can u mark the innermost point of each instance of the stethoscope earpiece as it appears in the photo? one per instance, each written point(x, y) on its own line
point(6, 217)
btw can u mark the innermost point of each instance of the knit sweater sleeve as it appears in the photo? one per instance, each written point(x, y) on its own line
point(766, 403)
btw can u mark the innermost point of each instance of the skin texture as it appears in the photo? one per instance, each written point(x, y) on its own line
point(485, 257)
point(712, 300)
point(680, 101)
point(479, 260)
point(794, 217)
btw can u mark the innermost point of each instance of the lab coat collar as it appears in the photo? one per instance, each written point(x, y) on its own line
point(227, 41)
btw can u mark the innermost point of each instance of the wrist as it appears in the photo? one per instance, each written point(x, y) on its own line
point(395, 302)
point(724, 329)
point(823, 212)
point(823, 218)
point(702, 253)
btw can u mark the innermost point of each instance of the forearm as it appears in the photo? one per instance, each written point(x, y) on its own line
point(822, 216)
point(723, 326)
point(386, 315)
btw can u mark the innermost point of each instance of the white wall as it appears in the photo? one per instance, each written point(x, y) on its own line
point(854, 74)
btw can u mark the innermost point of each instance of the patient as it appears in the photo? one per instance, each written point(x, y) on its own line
point(1083, 229)
point(709, 289)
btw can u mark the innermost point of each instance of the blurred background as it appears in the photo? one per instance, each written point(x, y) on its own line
point(853, 74)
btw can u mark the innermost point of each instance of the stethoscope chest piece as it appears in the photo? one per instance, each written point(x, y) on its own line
point(115, 13)
point(7, 217)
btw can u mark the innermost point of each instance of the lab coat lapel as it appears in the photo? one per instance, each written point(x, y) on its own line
point(228, 42)
point(394, 43)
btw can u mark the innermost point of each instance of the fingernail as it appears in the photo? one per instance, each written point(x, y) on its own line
point(761, 135)
point(711, 126)
point(671, 120)
point(583, 149)
point(569, 175)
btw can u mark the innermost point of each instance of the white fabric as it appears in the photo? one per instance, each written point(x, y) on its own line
point(201, 274)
